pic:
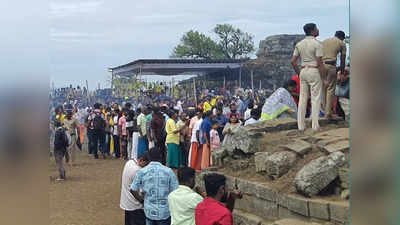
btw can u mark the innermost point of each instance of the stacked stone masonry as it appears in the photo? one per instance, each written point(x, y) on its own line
point(263, 202)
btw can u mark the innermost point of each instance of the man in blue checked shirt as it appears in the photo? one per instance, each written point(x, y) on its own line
point(156, 181)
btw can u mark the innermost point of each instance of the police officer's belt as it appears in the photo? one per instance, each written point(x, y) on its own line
point(309, 67)
point(332, 63)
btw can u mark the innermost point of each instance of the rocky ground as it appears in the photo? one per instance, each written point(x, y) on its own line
point(273, 142)
point(307, 173)
point(294, 148)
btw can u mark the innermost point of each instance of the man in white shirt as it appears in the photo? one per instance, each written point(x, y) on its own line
point(134, 213)
point(255, 116)
point(247, 113)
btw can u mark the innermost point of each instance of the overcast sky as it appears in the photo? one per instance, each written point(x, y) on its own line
point(88, 36)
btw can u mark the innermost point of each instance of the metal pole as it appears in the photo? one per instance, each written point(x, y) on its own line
point(194, 90)
point(224, 80)
point(172, 87)
point(87, 92)
point(112, 83)
point(240, 76)
point(140, 78)
point(252, 84)
point(260, 85)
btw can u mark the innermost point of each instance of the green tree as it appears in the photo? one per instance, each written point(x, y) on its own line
point(196, 45)
point(232, 43)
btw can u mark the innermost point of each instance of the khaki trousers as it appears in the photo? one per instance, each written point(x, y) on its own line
point(310, 80)
point(72, 150)
point(329, 89)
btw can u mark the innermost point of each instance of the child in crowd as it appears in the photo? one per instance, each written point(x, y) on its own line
point(214, 139)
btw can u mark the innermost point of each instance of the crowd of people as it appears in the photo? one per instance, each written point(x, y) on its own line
point(184, 136)
point(160, 138)
point(151, 193)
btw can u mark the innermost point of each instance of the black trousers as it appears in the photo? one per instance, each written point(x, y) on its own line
point(90, 140)
point(98, 142)
point(160, 148)
point(135, 217)
point(107, 142)
point(116, 146)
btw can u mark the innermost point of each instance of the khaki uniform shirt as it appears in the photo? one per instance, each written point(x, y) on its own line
point(332, 47)
point(308, 49)
point(71, 125)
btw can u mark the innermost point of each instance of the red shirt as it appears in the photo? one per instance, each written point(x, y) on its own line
point(297, 79)
point(212, 212)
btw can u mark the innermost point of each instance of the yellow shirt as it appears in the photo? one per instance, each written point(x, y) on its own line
point(61, 119)
point(206, 107)
point(213, 101)
point(170, 127)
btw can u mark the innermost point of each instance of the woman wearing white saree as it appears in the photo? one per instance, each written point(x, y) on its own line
point(281, 103)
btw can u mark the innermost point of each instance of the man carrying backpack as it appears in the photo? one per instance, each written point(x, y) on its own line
point(97, 123)
point(61, 142)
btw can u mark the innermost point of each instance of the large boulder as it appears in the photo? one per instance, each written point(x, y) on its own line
point(260, 159)
point(249, 140)
point(279, 163)
point(246, 142)
point(243, 142)
point(319, 173)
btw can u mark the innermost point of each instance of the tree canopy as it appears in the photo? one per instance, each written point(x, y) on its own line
point(196, 45)
point(231, 43)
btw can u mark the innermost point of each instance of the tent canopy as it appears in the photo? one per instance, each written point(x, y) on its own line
point(171, 67)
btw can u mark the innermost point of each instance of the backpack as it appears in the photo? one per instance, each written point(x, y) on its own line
point(98, 122)
point(61, 140)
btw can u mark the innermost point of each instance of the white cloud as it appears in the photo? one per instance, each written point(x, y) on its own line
point(68, 36)
point(63, 9)
point(114, 32)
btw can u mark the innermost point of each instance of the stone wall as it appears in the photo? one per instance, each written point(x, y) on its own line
point(278, 46)
point(311, 164)
point(266, 204)
point(274, 56)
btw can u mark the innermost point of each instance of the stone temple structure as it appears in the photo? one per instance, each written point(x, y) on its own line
point(272, 65)
point(278, 46)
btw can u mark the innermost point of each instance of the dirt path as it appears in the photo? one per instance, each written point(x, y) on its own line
point(90, 195)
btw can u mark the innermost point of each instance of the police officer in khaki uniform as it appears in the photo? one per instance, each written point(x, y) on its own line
point(310, 52)
point(331, 48)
